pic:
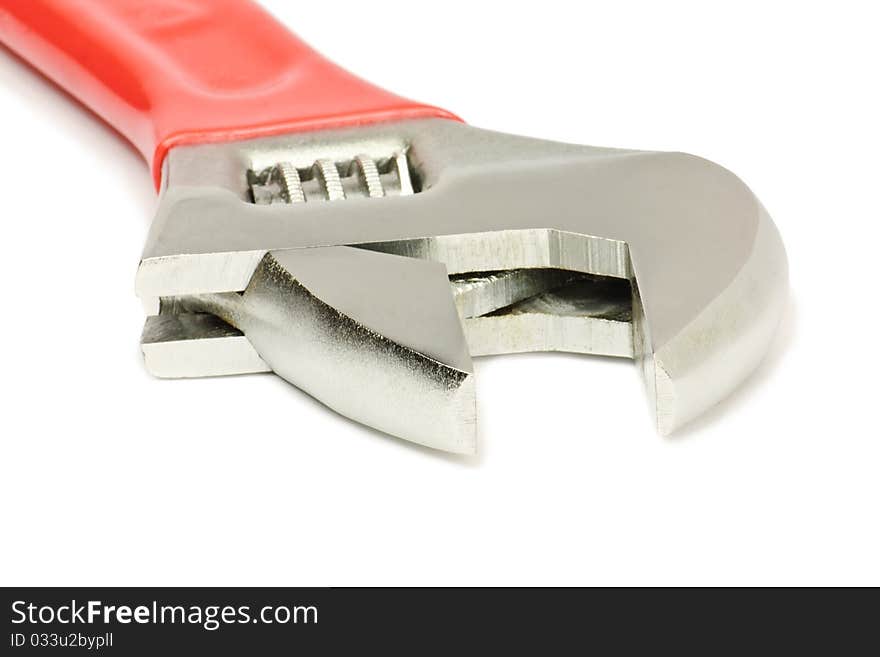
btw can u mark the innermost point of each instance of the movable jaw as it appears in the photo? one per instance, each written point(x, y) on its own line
point(396, 361)
point(534, 232)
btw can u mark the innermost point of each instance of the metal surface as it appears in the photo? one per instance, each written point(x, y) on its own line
point(192, 345)
point(481, 293)
point(705, 266)
point(586, 316)
point(396, 360)
point(501, 312)
point(331, 180)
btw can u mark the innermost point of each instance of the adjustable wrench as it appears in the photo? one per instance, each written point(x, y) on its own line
point(364, 247)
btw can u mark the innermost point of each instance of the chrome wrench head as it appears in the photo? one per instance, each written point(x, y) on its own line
point(508, 218)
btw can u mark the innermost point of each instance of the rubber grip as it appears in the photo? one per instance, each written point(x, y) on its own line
point(170, 72)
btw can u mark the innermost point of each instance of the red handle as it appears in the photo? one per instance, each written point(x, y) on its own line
point(169, 72)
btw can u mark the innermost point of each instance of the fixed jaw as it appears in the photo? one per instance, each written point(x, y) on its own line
point(532, 233)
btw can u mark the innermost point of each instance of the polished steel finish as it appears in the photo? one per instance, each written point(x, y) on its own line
point(192, 345)
point(705, 269)
point(481, 293)
point(396, 361)
point(501, 312)
point(586, 316)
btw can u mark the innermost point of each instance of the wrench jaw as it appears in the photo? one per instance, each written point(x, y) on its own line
point(705, 265)
point(397, 361)
point(721, 347)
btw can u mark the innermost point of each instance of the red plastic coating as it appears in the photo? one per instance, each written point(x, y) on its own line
point(170, 72)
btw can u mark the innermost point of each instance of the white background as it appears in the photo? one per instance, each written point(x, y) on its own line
point(108, 476)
